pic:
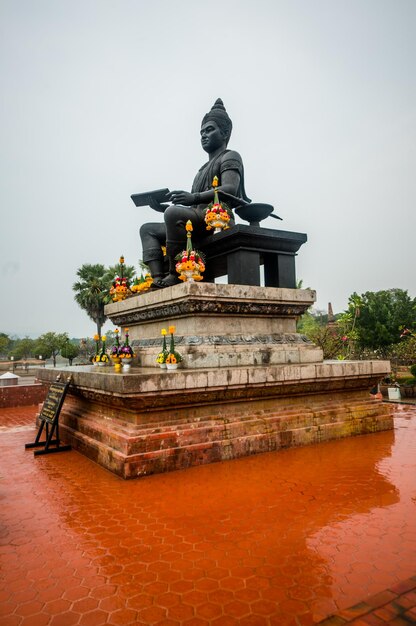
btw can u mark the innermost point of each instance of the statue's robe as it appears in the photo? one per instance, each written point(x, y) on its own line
point(173, 233)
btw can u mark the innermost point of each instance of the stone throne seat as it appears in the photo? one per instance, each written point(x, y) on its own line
point(239, 251)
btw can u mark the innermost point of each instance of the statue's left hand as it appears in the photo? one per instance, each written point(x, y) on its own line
point(157, 206)
point(182, 197)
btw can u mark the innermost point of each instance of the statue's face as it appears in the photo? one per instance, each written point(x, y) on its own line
point(211, 136)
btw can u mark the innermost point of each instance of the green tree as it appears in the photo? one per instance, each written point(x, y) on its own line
point(22, 348)
point(50, 344)
point(381, 316)
point(70, 351)
point(91, 292)
point(315, 326)
point(5, 344)
point(347, 326)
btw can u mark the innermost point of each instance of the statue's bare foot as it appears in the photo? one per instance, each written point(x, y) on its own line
point(169, 280)
point(157, 283)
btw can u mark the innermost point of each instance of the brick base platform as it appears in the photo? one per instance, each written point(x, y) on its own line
point(147, 422)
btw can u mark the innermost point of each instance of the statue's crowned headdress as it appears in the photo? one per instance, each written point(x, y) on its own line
point(219, 115)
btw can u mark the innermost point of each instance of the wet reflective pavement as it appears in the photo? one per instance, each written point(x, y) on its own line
point(283, 538)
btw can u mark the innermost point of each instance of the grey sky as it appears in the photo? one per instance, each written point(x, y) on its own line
point(102, 99)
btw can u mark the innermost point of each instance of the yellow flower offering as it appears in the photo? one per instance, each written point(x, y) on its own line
point(188, 226)
point(163, 331)
point(215, 181)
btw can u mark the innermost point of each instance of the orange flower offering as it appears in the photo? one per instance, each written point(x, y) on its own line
point(217, 215)
point(172, 357)
point(121, 285)
point(142, 284)
point(190, 263)
point(126, 351)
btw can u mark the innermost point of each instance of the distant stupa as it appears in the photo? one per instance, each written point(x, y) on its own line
point(331, 317)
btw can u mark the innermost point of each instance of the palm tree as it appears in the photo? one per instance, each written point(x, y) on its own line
point(91, 292)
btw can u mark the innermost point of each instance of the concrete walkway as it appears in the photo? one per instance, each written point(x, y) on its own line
point(287, 538)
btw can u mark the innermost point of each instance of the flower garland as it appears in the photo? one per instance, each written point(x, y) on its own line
point(190, 263)
point(217, 215)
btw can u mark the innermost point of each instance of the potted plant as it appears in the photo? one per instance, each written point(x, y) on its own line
point(390, 387)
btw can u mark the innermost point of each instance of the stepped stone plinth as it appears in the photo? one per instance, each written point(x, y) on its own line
point(220, 325)
point(249, 383)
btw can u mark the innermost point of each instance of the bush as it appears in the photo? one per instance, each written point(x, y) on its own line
point(413, 370)
point(407, 381)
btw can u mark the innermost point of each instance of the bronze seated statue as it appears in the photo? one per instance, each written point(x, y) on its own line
point(227, 166)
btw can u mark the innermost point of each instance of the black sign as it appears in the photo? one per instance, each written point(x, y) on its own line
point(49, 417)
point(54, 401)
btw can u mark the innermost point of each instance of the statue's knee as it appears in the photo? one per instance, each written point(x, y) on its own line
point(173, 214)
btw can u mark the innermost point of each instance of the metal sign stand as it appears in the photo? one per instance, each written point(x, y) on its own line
point(49, 417)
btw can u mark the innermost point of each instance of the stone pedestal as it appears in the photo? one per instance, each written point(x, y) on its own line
point(219, 325)
point(248, 383)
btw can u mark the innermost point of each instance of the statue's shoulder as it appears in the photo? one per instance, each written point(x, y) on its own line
point(231, 160)
point(230, 155)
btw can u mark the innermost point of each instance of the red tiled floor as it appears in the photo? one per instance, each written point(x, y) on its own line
point(285, 538)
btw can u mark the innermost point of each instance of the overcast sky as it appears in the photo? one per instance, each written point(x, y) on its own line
point(101, 99)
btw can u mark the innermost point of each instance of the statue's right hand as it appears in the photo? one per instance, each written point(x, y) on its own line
point(157, 206)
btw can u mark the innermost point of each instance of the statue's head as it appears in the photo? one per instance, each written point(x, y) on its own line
point(219, 115)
